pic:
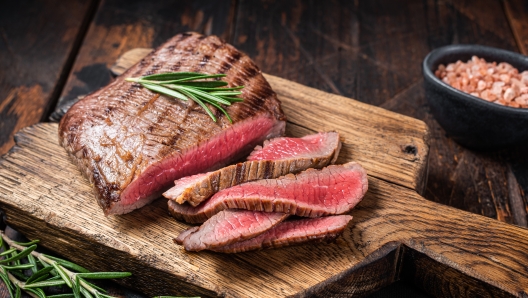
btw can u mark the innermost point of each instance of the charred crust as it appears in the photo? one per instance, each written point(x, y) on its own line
point(267, 170)
point(107, 193)
point(239, 172)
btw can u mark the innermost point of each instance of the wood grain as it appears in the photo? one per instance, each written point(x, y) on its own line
point(517, 14)
point(45, 197)
point(38, 40)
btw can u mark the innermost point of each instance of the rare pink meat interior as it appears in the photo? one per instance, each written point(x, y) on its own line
point(132, 143)
point(321, 229)
point(227, 227)
point(333, 190)
point(278, 157)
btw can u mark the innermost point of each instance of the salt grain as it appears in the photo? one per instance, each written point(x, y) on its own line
point(499, 83)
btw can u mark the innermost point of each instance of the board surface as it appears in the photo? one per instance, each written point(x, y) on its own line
point(394, 232)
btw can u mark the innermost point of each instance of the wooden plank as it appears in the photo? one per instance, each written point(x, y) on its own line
point(120, 26)
point(37, 43)
point(45, 197)
point(517, 14)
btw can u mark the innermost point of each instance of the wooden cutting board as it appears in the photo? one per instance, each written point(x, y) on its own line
point(395, 234)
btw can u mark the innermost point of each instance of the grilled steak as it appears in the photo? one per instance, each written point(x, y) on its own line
point(132, 143)
point(333, 190)
point(293, 232)
point(276, 158)
point(227, 227)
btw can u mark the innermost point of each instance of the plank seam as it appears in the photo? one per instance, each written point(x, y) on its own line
point(68, 65)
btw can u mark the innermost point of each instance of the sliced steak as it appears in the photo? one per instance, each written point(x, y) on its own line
point(293, 232)
point(132, 143)
point(185, 234)
point(276, 158)
point(227, 227)
point(333, 190)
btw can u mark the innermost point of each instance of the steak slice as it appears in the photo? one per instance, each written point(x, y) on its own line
point(321, 229)
point(276, 158)
point(227, 227)
point(132, 143)
point(333, 190)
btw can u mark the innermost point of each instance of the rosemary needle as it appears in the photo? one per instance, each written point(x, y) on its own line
point(195, 86)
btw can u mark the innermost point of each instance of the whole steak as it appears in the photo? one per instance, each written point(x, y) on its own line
point(132, 143)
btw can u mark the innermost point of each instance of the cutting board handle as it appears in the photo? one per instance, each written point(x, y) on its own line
point(445, 251)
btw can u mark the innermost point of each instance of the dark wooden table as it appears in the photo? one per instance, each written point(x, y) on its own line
point(52, 51)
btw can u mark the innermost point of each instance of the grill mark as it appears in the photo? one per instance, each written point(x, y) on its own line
point(205, 59)
point(106, 191)
point(162, 116)
point(133, 171)
point(251, 71)
point(226, 65)
point(239, 172)
point(148, 104)
point(267, 170)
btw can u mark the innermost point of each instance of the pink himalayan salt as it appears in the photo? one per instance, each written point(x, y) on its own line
point(500, 83)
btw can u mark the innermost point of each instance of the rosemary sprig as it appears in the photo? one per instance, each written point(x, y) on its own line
point(46, 271)
point(197, 86)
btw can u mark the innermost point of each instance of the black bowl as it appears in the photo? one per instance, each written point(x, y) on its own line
point(469, 120)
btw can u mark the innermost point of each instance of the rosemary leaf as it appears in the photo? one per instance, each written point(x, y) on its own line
point(197, 86)
point(18, 267)
point(77, 287)
point(19, 275)
point(198, 101)
point(18, 293)
point(205, 94)
point(221, 109)
point(33, 262)
point(42, 272)
point(46, 283)
point(27, 243)
point(86, 293)
point(5, 279)
point(202, 77)
point(9, 251)
point(93, 286)
point(38, 292)
point(220, 89)
point(67, 295)
point(104, 275)
point(63, 274)
point(68, 264)
point(226, 93)
point(207, 84)
point(20, 255)
point(164, 90)
point(41, 278)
